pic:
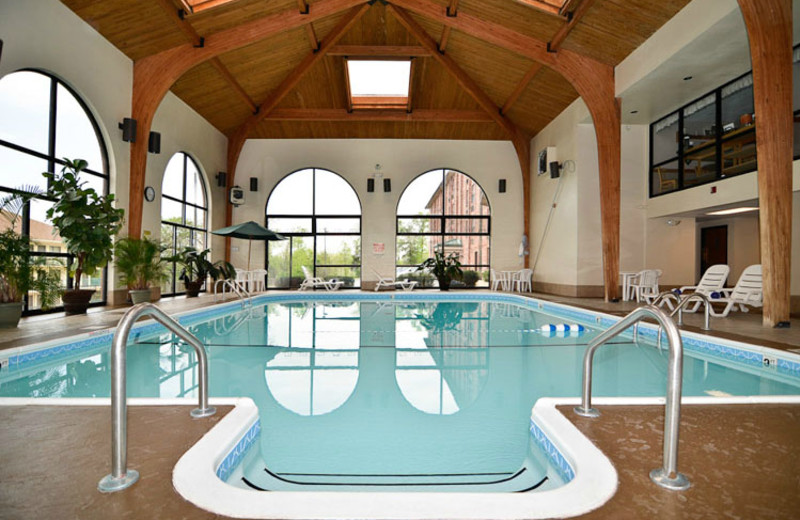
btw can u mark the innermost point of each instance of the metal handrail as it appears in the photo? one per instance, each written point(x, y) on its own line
point(685, 300)
point(243, 294)
point(664, 296)
point(121, 477)
point(667, 476)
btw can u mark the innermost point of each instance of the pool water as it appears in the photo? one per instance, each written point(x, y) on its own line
point(382, 395)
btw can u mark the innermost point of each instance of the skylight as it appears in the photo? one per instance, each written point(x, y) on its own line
point(550, 6)
point(195, 6)
point(378, 83)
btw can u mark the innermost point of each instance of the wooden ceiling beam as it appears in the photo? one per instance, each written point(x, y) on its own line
point(196, 40)
point(302, 5)
point(452, 10)
point(565, 29)
point(463, 79)
point(544, 7)
point(520, 88)
point(397, 116)
point(379, 51)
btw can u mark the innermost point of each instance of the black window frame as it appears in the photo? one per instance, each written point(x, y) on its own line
point(53, 164)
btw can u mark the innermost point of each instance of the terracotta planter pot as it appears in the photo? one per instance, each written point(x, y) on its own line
point(76, 301)
point(193, 289)
point(10, 313)
point(140, 296)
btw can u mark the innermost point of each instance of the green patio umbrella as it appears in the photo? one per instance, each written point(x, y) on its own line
point(251, 231)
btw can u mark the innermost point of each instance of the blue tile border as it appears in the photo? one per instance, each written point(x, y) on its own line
point(237, 453)
point(557, 459)
point(786, 367)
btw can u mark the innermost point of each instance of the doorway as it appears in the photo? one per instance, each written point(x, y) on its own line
point(713, 247)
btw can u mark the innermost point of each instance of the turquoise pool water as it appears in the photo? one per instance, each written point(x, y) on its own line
point(382, 395)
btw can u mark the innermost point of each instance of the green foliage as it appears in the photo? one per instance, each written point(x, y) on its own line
point(19, 272)
point(85, 220)
point(444, 268)
point(412, 250)
point(139, 262)
point(197, 267)
point(470, 278)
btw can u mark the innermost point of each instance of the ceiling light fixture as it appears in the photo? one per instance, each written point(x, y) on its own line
point(634, 111)
point(687, 78)
point(733, 211)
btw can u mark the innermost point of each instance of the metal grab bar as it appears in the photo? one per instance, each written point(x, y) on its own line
point(242, 293)
point(685, 300)
point(672, 415)
point(664, 296)
point(121, 477)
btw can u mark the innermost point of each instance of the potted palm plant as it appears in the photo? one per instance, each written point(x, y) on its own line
point(197, 268)
point(444, 268)
point(87, 222)
point(19, 273)
point(139, 265)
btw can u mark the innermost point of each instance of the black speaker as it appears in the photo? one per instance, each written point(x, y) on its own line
point(502, 186)
point(253, 183)
point(128, 127)
point(1, 49)
point(555, 170)
point(387, 185)
point(370, 185)
point(154, 143)
point(222, 179)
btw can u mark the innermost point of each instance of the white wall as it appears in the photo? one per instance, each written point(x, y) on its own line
point(401, 161)
point(46, 35)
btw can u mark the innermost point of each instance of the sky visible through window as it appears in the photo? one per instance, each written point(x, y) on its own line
point(379, 78)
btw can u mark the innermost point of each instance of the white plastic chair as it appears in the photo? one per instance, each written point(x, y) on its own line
point(243, 279)
point(645, 288)
point(314, 282)
point(496, 281)
point(749, 290)
point(257, 280)
point(522, 280)
point(713, 280)
point(406, 285)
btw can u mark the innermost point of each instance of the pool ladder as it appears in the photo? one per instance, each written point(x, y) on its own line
point(666, 476)
point(121, 477)
point(243, 294)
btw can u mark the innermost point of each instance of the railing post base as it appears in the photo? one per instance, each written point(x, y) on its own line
point(587, 412)
point(678, 483)
point(203, 412)
point(110, 483)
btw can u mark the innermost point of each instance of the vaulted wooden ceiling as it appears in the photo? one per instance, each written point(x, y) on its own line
point(228, 89)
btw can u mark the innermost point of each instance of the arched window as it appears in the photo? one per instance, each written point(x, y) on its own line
point(42, 120)
point(184, 213)
point(444, 210)
point(321, 214)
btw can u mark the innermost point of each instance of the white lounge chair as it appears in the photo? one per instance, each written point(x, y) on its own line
point(522, 280)
point(315, 282)
point(406, 285)
point(646, 286)
point(713, 280)
point(748, 291)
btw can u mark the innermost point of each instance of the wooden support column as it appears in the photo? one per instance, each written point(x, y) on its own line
point(769, 28)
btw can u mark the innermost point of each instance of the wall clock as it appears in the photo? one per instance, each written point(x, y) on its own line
point(149, 194)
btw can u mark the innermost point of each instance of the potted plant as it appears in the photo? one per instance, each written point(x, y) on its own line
point(87, 223)
point(444, 268)
point(197, 268)
point(139, 264)
point(19, 273)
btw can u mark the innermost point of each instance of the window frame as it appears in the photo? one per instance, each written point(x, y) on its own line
point(53, 164)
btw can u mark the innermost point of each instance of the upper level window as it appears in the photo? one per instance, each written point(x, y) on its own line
point(378, 83)
point(42, 121)
point(184, 212)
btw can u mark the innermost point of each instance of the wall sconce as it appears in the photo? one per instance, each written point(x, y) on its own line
point(222, 179)
point(154, 143)
point(387, 185)
point(370, 185)
point(128, 127)
point(253, 183)
point(673, 222)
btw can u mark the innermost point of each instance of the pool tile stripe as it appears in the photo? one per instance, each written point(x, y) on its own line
point(237, 453)
point(557, 459)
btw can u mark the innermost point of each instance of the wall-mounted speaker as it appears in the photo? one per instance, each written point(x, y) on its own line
point(370, 185)
point(1, 49)
point(222, 179)
point(253, 183)
point(128, 127)
point(387, 185)
point(501, 187)
point(154, 143)
point(555, 170)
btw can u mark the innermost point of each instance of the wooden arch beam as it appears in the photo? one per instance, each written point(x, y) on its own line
point(769, 28)
point(154, 75)
point(594, 82)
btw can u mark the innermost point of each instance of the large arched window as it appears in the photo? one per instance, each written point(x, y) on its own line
point(43, 121)
point(184, 213)
point(321, 215)
point(444, 210)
